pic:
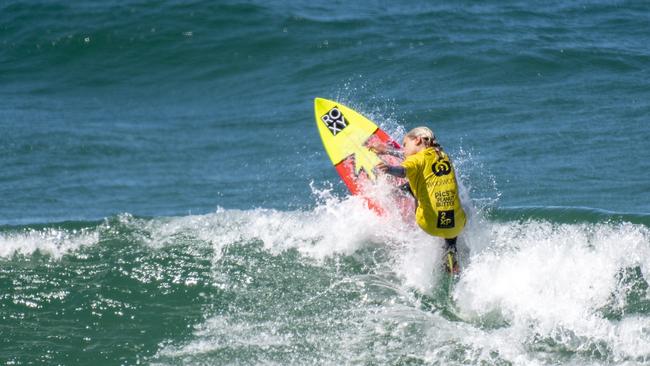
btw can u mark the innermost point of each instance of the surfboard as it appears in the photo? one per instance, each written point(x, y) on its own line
point(346, 136)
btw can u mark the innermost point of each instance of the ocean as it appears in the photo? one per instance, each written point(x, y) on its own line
point(165, 198)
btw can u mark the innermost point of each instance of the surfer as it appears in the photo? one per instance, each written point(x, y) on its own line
point(432, 180)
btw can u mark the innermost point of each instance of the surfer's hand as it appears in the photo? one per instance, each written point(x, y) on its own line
point(378, 148)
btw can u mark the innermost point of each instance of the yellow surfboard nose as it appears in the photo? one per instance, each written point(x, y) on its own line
point(344, 133)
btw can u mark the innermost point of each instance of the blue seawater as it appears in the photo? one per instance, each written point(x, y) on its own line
point(165, 198)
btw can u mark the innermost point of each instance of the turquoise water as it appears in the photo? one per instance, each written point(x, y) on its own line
point(165, 198)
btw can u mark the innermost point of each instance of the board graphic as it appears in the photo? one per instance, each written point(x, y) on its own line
point(346, 136)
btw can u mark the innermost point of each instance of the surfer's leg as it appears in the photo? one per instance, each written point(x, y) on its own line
point(406, 187)
point(451, 261)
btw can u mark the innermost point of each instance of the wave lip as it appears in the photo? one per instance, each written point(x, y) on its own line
point(50, 240)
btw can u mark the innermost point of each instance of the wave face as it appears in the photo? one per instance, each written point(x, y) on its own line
point(165, 198)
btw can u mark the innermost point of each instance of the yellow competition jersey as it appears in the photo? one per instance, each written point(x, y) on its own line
point(433, 182)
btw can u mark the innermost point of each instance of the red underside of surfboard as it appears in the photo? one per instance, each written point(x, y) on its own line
point(356, 183)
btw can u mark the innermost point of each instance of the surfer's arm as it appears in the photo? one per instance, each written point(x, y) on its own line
point(397, 171)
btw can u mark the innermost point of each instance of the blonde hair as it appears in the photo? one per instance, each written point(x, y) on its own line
point(426, 135)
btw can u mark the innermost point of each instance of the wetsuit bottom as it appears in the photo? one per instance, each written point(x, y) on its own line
point(450, 244)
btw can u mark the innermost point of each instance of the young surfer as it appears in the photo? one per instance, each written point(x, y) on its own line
point(432, 180)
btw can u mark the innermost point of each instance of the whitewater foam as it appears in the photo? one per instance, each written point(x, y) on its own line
point(552, 282)
point(529, 289)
